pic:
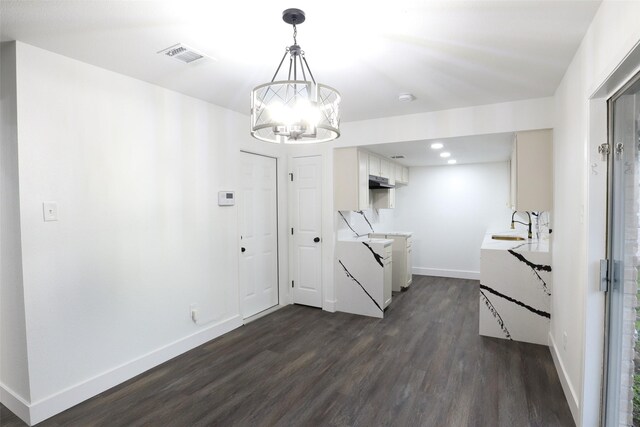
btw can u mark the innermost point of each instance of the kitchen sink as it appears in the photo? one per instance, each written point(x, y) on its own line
point(499, 237)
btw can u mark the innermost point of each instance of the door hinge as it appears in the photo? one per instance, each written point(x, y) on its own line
point(291, 176)
point(604, 275)
point(604, 150)
point(292, 283)
point(292, 231)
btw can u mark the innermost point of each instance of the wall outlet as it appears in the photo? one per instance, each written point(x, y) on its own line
point(564, 341)
point(50, 211)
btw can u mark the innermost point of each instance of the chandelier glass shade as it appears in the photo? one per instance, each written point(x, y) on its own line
point(295, 111)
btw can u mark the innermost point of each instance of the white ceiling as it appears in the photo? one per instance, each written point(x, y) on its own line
point(465, 150)
point(447, 53)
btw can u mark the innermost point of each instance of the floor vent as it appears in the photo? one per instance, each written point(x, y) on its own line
point(182, 53)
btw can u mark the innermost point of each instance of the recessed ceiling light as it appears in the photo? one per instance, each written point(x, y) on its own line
point(452, 161)
point(445, 154)
point(437, 145)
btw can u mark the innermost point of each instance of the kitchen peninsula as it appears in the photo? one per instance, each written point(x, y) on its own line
point(515, 288)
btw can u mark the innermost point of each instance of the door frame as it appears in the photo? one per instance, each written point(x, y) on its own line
point(279, 304)
point(615, 210)
point(325, 241)
point(586, 407)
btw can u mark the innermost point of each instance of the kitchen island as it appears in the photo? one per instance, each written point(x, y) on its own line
point(515, 289)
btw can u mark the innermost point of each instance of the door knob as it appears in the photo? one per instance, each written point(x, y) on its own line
point(242, 249)
point(317, 239)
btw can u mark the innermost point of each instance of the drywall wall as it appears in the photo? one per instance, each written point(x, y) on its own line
point(14, 376)
point(134, 170)
point(579, 229)
point(478, 120)
point(449, 209)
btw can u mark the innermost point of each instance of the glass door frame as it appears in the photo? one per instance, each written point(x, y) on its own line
point(615, 247)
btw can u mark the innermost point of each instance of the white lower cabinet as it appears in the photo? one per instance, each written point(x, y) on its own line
point(388, 275)
point(402, 264)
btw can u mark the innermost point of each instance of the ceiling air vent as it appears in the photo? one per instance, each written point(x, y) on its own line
point(182, 53)
point(397, 157)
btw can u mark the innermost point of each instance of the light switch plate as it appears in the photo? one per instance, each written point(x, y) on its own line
point(50, 211)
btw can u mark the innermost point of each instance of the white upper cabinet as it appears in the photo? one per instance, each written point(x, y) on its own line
point(532, 171)
point(402, 174)
point(374, 165)
point(351, 170)
point(350, 179)
point(385, 167)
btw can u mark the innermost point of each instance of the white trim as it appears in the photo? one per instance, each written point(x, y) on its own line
point(329, 305)
point(15, 403)
point(65, 399)
point(439, 272)
point(569, 392)
point(263, 313)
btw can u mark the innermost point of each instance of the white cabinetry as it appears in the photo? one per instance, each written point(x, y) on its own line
point(350, 179)
point(388, 274)
point(379, 166)
point(402, 265)
point(532, 171)
point(374, 165)
point(351, 170)
point(401, 174)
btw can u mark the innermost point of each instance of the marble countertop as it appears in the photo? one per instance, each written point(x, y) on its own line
point(527, 245)
point(394, 233)
point(383, 242)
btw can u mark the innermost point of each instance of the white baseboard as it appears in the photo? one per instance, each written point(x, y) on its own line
point(65, 399)
point(15, 403)
point(263, 313)
point(457, 274)
point(569, 392)
point(329, 305)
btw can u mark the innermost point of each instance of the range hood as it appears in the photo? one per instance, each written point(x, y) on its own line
point(378, 182)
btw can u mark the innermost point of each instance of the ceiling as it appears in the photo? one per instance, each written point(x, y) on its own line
point(448, 54)
point(465, 150)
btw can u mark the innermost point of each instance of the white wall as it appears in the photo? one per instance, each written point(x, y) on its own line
point(135, 170)
point(449, 209)
point(14, 376)
point(579, 203)
point(479, 120)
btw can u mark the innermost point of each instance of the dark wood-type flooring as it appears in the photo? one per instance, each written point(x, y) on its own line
point(423, 364)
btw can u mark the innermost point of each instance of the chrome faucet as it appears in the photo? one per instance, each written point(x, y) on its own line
point(513, 222)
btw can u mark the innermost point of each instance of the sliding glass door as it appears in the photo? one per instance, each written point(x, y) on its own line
point(623, 254)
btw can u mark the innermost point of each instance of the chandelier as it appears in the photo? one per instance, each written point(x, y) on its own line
point(295, 111)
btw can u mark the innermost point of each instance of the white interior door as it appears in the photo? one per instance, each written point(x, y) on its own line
point(257, 206)
point(306, 221)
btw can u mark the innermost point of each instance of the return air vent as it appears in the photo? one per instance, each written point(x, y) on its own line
point(397, 157)
point(182, 53)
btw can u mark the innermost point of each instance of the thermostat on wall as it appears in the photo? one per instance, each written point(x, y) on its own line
point(226, 198)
